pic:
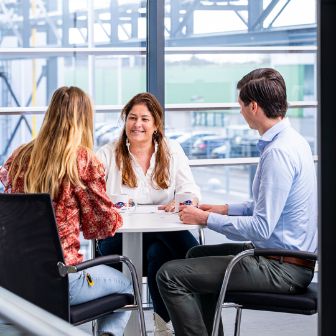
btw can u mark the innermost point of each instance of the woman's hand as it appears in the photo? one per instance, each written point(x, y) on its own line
point(220, 209)
point(169, 207)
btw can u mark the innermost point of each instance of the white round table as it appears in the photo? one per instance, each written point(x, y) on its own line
point(153, 222)
point(146, 219)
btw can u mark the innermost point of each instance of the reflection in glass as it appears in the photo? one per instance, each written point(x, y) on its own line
point(224, 133)
point(240, 22)
point(119, 78)
point(31, 82)
point(205, 78)
point(57, 23)
point(195, 76)
point(225, 183)
point(119, 23)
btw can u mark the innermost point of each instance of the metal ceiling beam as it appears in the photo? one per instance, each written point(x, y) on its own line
point(304, 35)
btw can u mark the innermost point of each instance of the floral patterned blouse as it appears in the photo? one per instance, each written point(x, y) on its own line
point(88, 210)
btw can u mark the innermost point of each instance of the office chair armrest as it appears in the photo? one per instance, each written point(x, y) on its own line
point(111, 259)
point(284, 253)
point(104, 260)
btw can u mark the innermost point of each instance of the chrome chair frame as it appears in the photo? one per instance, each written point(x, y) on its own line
point(252, 252)
point(111, 259)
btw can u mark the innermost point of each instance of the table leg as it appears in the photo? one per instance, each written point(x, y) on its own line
point(132, 248)
point(201, 236)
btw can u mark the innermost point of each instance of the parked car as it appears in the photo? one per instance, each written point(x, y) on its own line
point(242, 142)
point(222, 152)
point(245, 147)
point(106, 133)
point(204, 146)
point(187, 140)
point(102, 128)
point(173, 134)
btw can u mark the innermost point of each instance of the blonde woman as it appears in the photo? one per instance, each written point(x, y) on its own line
point(60, 162)
point(151, 169)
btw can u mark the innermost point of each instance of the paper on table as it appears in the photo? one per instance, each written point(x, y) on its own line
point(146, 209)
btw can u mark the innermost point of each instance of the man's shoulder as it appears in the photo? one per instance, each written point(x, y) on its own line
point(288, 137)
point(288, 146)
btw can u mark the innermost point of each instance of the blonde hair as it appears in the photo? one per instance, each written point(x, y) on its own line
point(52, 155)
point(160, 175)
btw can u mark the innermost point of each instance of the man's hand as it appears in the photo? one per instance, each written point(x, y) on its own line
point(192, 215)
point(220, 209)
point(169, 207)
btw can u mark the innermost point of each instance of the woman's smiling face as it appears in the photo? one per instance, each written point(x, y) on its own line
point(140, 125)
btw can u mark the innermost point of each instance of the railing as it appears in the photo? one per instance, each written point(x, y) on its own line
point(14, 53)
point(15, 110)
point(29, 318)
point(230, 161)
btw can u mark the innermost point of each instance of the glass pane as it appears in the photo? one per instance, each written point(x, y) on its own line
point(16, 130)
point(48, 23)
point(119, 78)
point(240, 22)
point(31, 82)
point(119, 23)
point(228, 184)
point(28, 77)
point(223, 184)
point(57, 23)
point(107, 127)
point(211, 45)
point(205, 78)
point(224, 133)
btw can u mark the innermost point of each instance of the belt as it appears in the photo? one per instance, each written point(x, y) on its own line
point(295, 261)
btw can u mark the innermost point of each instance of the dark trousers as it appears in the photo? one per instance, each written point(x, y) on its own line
point(158, 248)
point(190, 287)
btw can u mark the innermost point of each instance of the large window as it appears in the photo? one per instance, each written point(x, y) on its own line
point(98, 46)
point(101, 46)
point(210, 45)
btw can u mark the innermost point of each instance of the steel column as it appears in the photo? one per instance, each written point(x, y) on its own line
point(155, 49)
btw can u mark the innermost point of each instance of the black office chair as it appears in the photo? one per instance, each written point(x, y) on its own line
point(32, 264)
point(302, 303)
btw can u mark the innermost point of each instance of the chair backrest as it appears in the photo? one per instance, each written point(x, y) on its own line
point(29, 252)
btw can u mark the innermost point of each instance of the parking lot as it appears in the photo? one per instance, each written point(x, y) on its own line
point(224, 184)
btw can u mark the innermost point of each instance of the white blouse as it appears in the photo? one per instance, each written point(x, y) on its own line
point(181, 178)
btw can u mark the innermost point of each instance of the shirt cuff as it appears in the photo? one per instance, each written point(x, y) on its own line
point(215, 221)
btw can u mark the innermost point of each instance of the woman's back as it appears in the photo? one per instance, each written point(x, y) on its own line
point(76, 209)
point(59, 161)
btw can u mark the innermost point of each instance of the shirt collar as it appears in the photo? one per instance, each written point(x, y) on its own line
point(271, 133)
point(128, 146)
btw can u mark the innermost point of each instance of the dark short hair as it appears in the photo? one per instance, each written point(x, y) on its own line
point(267, 87)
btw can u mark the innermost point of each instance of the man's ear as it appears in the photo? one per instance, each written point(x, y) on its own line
point(254, 106)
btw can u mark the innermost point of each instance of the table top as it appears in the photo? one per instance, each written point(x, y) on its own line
point(149, 219)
